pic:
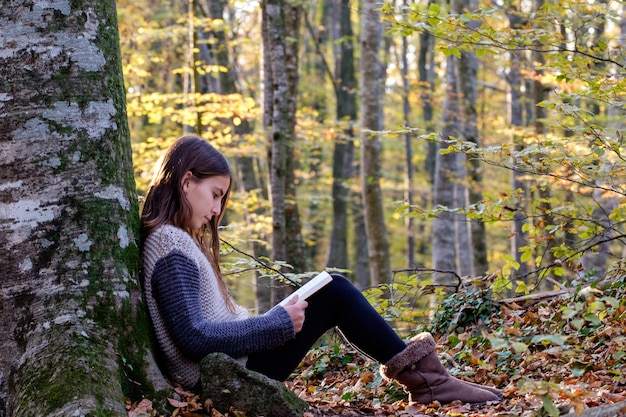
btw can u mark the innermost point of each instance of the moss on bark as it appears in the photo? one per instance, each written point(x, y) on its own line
point(75, 368)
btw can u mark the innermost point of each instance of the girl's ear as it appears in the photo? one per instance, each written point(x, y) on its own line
point(185, 181)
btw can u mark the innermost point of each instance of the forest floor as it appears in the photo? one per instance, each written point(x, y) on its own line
point(552, 356)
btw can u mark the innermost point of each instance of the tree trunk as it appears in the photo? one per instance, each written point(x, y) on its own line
point(540, 94)
point(74, 332)
point(371, 78)
point(409, 221)
point(595, 261)
point(444, 248)
point(426, 72)
point(426, 65)
point(245, 164)
point(516, 118)
point(468, 83)
point(463, 235)
point(192, 123)
point(344, 146)
point(278, 127)
point(294, 240)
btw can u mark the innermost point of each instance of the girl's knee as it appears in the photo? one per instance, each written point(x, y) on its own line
point(343, 283)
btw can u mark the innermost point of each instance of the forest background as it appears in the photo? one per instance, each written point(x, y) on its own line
point(489, 134)
point(473, 151)
point(464, 147)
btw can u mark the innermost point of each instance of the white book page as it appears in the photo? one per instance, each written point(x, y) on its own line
point(310, 287)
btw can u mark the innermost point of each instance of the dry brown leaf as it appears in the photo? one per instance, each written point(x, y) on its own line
point(177, 404)
point(142, 408)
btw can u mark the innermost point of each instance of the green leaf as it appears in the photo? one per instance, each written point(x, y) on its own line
point(433, 9)
point(568, 313)
point(526, 253)
point(593, 319)
point(546, 339)
point(578, 323)
point(519, 347)
point(579, 368)
point(549, 406)
point(612, 301)
point(347, 396)
point(498, 343)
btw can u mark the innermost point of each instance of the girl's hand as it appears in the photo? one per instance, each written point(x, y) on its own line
point(295, 307)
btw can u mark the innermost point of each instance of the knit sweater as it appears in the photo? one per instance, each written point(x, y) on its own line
point(190, 316)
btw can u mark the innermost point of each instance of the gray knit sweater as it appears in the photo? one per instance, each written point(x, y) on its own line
point(190, 317)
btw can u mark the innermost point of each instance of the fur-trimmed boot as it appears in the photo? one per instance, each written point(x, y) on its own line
point(420, 371)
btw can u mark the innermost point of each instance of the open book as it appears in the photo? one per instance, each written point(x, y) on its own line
point(310, 287)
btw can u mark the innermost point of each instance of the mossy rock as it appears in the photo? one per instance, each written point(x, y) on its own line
point(227, 383)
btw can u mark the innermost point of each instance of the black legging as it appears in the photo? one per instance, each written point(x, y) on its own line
point(338, 304)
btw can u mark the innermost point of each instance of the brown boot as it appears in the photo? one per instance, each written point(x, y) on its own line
point(419, 370)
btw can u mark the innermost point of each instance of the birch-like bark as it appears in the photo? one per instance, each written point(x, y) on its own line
point(70, 338)
point(444, 247)
point(275, 87)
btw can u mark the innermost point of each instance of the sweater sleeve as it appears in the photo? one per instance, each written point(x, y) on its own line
point(176, 289)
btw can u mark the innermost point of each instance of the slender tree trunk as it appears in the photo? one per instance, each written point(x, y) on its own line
point(343, 153)
point(540, 94)
point(191, 122)
point(361, 267)
point(409, 221)
point(444, 248)
point(516, 118)
point(463, 235)
point(468, 80)
point(279, 124)
point(250, 185)
point(294, 240)
point(371, 78)
point(426, 73)
point(71, 339)
point(245, 165)
point(317, 73)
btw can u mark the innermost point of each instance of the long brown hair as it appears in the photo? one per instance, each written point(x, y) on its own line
point(165, 201)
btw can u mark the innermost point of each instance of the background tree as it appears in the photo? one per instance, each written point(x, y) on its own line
point(280, 74)
point(249, 179)
point(468, 67)
point(408, 144)
point(476, 29)
point(73, 333)
point(370, 90)
point(448, 184)
point(516, 119)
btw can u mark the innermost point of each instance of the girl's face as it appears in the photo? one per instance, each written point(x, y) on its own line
point(205, 197)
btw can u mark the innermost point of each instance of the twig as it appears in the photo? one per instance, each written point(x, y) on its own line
point(260, 262)
point(439, 271)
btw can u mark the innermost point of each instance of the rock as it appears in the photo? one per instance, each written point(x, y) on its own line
point(227, 383)
point(611, 410)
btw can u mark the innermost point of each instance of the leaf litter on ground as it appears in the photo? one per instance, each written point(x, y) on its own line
point(549, 358)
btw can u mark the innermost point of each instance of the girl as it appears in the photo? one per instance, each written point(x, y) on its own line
point(193, 314)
